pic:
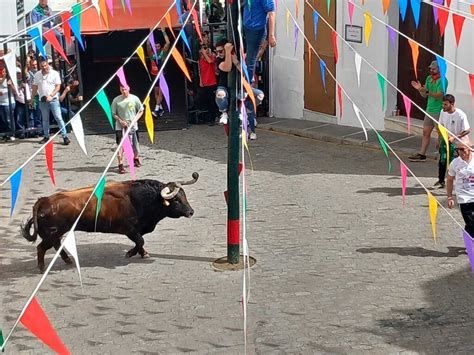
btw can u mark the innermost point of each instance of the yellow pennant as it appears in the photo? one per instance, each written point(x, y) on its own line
point(367, 27)
point(433, 204)
point(148, 119)
point(444, 134)
point(249, 90)
point(287, 22)
point(141, 55)
point(168, 22)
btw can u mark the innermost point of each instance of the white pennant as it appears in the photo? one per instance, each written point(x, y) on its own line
point(358, 63)
point(357, 112)
point(10, 61)
point(70, 246)
point(78, 130)
point(97, 7)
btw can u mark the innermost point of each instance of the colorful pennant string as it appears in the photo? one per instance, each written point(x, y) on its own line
point(35, 33)
point(101, 97)
point(322, 68)
point(48, 151)
point(77, 128)
point(50, 36)
point(403, 4)
point(367, 27)
point(66, 28)
point(165, 90)
point(381, 81)
point(350, 10)
point(128, 150)
point(433, 207)
point(403, 174)
point(339, 99)
point(180, 61)
point(15, 182)
point(407, 103)
point(99, 193)
point(383, 145)
point(415, 52)
point(458, 22)
point(149, 119)
point(415, 9)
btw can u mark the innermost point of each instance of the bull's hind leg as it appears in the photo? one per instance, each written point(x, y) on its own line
point(63, 253)
point(41, 250)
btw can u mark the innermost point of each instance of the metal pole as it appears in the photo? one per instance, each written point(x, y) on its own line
point(233, 204)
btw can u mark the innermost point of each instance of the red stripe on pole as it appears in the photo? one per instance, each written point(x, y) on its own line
point(233, 229)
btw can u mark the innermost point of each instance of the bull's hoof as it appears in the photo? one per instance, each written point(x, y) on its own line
point(41, 269)
point(145, 255)
point(68, 261)
point(130, 253)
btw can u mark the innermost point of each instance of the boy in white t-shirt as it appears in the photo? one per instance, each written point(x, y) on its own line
point(461, 174)
point(455, 121)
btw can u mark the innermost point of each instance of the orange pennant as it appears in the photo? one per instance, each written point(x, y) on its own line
point(36, 321)
point(386, 6)
point(458, 22)
point(249, 91)
point(66, 28)
point(50, 36)
point(48, 151)
point(168, 21)
point(415, 51)
point(297, 7)
point(180, 61)
point(103, 12)
point(472, 10)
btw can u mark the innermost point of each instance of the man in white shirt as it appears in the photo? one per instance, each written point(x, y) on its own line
point(455, 121)
point(461, 173)
point(47, 84)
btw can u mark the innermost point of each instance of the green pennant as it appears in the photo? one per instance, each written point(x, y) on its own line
point(76, 11)
point(2, 341)
point(123, 5)
point(99, 192)
point(105, 104)
point(381, 80)
point(328, 3)
point(383, 145)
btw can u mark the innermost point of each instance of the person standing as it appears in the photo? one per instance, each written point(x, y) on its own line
point(455, 121)
point(7, 106)
point(156, 61)
point(207, 81)
point(124, 109)
point(461, 176)
point(47, 84)
point(433, 90)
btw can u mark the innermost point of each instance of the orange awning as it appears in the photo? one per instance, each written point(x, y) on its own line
point(145, 14)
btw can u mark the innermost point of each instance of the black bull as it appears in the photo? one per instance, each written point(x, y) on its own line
point(132, 208)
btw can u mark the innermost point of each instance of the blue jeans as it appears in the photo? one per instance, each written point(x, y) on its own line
point(55, 108)
point(35, 114)
point(249, 105)
point(20, 118)
point(253, 40)
point(222, 98)
point(6, 124)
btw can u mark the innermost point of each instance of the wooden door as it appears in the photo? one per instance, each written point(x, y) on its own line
point(428, 35)
point(315, 98)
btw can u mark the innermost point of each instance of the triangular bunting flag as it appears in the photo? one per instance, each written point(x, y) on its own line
point(180, 61)
point(287, 22)
point(407, 103)
point(165, 90)
point(148, 119)
point(105, 104)
point(128, 150)
point(50, 36)
point(35, 34)
point(151, 40)
point(141, 55)
point(103, 12)
point(110, 6)
point(310, 58)
point(170, 26)
point(322, 68)
point(15, 182)
point(415, 8)
point(433, 206)
point(435, 9)
point(386, 6)
point(444, 134)
point(10, 63)
point(442, 71)
point(178, 8)
point(315, 24)
point(129, 6)
point(350, 9)
point(383, 145)
point(448, 3)
point(381, 81)
point(78, 129)
point(2, 341)
point(295, 37)
point(339, 98)
point(249, 91)
point(358, 64)
point(403, 174)
point(471, 83)
point(334, 46)
point(123, 5)
point(297, 8)
point(182, 34)
point(458, 22)
point(95, 3)
point(36, 321)
point(70, 246)
point(367, 27)
point(392, 35)
point(75, 28)
point(357, 112)
point(196, 23)
point(403, 4)
point(415, 51)
point(121, 77)
point(65, 16)
point(443, 16)
point(48, 151)
point(468, 243)
point(328, 5)
point(99, 193)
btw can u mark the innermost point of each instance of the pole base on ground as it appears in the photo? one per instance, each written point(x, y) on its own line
point(221, 264)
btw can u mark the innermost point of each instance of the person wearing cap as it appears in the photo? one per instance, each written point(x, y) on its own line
point(433, 90)
point(47, 84)
point(461, 176)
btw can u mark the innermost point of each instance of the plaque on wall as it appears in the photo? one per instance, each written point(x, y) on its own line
point(353, 34)
point(20, 7)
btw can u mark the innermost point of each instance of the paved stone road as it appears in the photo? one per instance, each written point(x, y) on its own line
point(342, 266)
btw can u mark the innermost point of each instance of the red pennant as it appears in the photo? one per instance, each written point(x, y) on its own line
point(36, 321)
point(240, 168)
point(448, 3)
point(442, 19)
point(471, 81)
point(458, 22)
point(50, 36)
point(48, 151)
point(334, 46)
point(196, 23)
point(339, 98)
point(226, 129)
point(226, 196)
point(66, 28)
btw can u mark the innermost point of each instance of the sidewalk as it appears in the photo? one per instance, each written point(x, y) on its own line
point(402, 143)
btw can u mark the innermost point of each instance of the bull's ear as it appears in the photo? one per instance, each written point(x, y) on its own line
point(166, 203)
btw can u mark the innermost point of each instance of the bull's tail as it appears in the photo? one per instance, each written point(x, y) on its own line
point(25, 229)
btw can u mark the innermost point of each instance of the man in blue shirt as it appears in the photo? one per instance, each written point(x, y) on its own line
point(256, 16)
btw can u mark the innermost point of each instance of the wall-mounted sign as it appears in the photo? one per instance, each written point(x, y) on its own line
point(20, 7)
point(353, 33)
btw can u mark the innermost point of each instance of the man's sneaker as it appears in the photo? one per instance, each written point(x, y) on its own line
point(66, 140)
point(224, 118)
point(417, 157)
point(253, 136)
point(255, 120)
point(11, 138)
point(44, 140)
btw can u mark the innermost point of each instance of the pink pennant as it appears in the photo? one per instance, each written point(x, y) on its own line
point(165, 90)
point(339, 98)
point(128, 150)
point(129, 6)
point(350, 9)
point(121, 76)
point(403, 173)
point(110, 6)
point(458, 22)
point(407, 103)
point(471, 82)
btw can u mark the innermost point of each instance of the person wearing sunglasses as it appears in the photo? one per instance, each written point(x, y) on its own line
point(461, 176)
point(455, 121)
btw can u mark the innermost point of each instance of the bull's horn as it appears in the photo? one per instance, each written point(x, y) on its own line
point(190, 182)
point(167, 195)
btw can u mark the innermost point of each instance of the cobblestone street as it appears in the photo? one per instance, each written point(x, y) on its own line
point(342, 266)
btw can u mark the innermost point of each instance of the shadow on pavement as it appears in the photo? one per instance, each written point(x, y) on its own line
point(452, 252)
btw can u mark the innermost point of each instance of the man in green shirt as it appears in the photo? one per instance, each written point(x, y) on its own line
point(124, 109)
point(433, 90)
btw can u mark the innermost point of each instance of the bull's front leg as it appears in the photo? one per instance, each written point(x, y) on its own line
point(139, 243)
